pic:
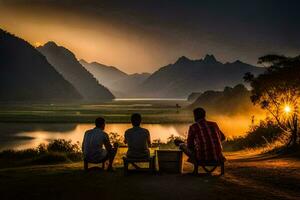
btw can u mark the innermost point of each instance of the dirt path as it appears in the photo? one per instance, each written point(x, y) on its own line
point(251, 178)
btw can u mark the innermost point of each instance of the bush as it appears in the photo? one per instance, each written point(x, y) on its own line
point(264, 133)
point(19, 154)
point(50, 158)
point(61, 145)
point(56, 151)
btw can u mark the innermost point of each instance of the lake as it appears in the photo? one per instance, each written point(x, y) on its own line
point(30, 135)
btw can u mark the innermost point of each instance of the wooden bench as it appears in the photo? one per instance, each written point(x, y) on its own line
point(86, 164)
point(214, 165)
point(134, 161)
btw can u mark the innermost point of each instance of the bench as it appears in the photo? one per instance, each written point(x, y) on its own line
point(86, 164)
point(134, 161)
point(214, 165)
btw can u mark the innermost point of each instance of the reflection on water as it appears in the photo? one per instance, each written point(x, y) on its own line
point(26, 138)
point(29, 135)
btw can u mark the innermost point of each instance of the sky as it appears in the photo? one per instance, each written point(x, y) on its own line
point(144, 35)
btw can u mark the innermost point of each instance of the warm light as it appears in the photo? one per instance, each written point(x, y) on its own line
point(37, 44)
point(287, 109)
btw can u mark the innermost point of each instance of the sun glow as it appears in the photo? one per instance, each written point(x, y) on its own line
point(287, 109)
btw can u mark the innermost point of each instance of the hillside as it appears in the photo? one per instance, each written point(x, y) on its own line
point(27, 76)
point(120, 83)
point(65, 62)
point(186, 76)
point(234, 100)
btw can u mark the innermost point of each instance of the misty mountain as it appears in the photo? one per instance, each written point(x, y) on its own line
point(120, 83)
point(232, 100)
point(106, 75)
point(65, 62)
point(26, 75)
point(186, 76)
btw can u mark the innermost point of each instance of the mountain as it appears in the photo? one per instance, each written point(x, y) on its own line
point(193, 96)
point(120, 83)
point(232, 100)
point(186, 76)
point(65, 62)
point(106, 75)
point(27, 76)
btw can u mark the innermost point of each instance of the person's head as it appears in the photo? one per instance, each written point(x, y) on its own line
point(100, 123)
point(199, 113)
point(136, 119)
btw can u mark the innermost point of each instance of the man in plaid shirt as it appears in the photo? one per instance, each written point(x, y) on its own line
point(204, 142)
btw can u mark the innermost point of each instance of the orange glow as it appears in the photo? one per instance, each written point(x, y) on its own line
point(287, 109)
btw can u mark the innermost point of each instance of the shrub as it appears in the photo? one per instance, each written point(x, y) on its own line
point(55, 152)
point(264, 133)
point(50, 158)
point(61, 145)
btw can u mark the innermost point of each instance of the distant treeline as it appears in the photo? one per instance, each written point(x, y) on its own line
point(234, 100)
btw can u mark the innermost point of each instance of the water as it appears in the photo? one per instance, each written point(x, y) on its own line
point(30, 135)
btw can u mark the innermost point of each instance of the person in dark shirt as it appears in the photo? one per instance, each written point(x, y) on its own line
point(137, 138)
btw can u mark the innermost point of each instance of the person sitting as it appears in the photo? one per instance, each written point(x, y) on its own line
point(204, 142)
point(137, 138)
point(93, 142)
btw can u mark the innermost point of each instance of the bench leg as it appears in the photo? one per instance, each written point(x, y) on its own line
point(85, 165)
point(222, 168)
point(125, 167)
point(152, 165)
point(102, 165)
point(195, 172)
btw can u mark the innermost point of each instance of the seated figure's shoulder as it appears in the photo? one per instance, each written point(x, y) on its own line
point(88, 131)
point(211, 123)
point(146, 130)
point(128, 130)
point(194, 125)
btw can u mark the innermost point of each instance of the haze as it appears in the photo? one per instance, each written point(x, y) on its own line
point(141, 36)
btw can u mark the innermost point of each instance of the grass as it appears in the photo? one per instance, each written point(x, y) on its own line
point(114, 112)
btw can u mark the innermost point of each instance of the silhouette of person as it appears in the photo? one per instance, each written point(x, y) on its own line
point(93, 142)
point(137, 138)
point(204, 142)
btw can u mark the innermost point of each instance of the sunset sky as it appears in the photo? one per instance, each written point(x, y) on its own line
point(141, 36)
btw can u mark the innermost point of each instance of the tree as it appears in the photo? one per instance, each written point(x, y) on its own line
point(278, 91)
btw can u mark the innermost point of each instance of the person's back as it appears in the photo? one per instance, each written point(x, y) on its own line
point(93, 142)
point(138, 139)
point(204, 141)
point(205, 138)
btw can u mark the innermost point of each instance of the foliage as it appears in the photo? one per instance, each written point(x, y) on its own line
point(229, 101)
point(56, 151)
point(266, 132)
point(61, 145)
point(116, 138)
point(278, 91)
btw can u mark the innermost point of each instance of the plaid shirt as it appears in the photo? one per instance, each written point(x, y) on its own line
point(204, 138)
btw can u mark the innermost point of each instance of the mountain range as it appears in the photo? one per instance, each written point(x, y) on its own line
point(65, 62)
point(27, 76)
point(53, 72)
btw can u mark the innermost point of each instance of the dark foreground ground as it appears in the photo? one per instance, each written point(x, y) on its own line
point(256, 178)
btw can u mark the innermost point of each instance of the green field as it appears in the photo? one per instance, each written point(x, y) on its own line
point(114, 112)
